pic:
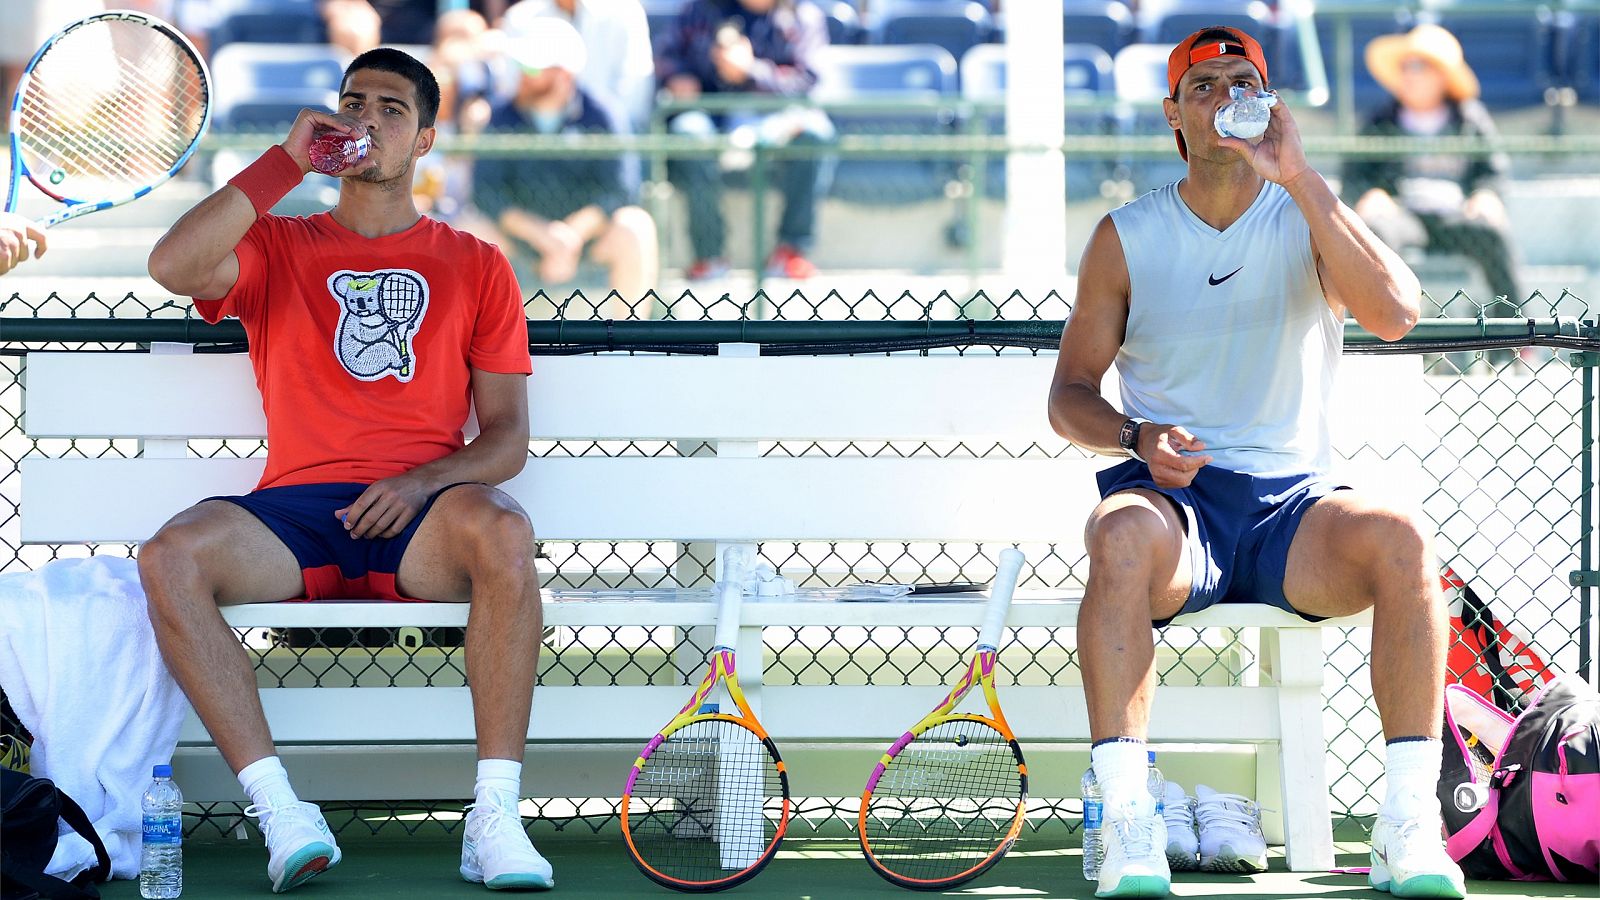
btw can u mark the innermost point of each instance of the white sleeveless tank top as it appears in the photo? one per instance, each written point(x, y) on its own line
point(1229, 334)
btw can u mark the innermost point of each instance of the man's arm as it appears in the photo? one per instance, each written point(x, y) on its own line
point(1089, 344)
point(497, 454)
point(195, 257)
point(1359, 273)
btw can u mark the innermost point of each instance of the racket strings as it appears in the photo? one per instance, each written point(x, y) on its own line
point(945, 802)
point(707, 803)
point(90, 131)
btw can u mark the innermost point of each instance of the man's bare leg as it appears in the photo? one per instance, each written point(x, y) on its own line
point(1352, 552)
point(477, 544)
point(211, 555)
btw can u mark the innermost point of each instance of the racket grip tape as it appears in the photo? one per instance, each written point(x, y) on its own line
point(1005, 584)
point(269, 179)
point(737, 562)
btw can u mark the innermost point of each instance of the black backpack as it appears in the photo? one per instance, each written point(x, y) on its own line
point(29, 810)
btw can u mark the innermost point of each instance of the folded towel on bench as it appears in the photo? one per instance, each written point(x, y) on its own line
point(79, 663)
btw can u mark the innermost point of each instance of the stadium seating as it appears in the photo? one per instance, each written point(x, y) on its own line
point(661, 16)
point(904, 72)
point(955, 25)
point(844, 23)
point(1088, 75)
point(1140, 73)
point(1580, 48)
point(1364, 26)
point(268, 22)
point(267, 85)
point(1107, 24)
point(1170, 21)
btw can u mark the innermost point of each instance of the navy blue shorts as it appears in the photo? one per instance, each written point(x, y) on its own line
point(335, 566)
point(1238, 528)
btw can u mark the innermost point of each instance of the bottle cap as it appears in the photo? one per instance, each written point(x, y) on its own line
point(1152, 757)
point(162, 772)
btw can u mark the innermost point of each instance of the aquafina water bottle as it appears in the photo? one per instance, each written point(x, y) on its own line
point(1093, 816)
point(161, 861)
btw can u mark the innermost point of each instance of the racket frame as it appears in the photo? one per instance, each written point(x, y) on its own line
point(720, 669)
point(980, 671)
point(75, 207)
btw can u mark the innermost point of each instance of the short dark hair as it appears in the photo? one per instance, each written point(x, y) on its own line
point(388, 59)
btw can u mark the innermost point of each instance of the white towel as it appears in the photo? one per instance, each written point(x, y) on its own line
point(79, 662)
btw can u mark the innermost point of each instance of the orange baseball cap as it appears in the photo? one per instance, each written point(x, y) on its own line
point(1186, 54)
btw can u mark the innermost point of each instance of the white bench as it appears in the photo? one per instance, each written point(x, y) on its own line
point(735, 402)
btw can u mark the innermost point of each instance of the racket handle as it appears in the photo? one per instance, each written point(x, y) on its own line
point(730, 592)
point(1005, 584)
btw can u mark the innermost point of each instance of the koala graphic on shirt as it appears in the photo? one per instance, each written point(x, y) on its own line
point(380, 313)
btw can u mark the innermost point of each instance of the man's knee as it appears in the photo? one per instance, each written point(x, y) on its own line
point(634, 228)
point(1129, 532)
point(170, 562)
point(499, 534)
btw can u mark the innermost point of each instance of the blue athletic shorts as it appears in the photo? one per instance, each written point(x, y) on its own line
point(335, 565)
point(1238, 528)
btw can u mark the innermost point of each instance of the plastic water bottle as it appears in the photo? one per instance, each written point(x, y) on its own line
point(161, 861)
point(1247, 115)
point(1094, 850)
point(1157, 785)
point(332, 152)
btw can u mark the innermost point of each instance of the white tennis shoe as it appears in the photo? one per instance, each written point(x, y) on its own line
point(1230, 832)
point(298, 839)
point(1409, 859)
point(1183, 844)
point(496, 852)
point(1135, 839)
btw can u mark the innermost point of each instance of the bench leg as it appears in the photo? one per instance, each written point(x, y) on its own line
point(1296, 657)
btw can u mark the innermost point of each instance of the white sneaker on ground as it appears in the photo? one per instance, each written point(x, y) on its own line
point(1135, 840)
point(1409, 859)
point(1230, 832)
point(298, 838)
point(1183, 844)
point(496, 852)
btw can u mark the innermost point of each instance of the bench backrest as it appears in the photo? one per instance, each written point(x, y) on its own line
point(738, 403)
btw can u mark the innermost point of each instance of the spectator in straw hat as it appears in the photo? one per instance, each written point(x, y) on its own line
point(1434, 201)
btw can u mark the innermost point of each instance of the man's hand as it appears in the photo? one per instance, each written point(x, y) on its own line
point(560, 252)
point(304, 129)
point(1278, 156)
point(683, 87)
point(734, 60)
point(1485, 206)
point(1162, 446)
point(386, 507)
point(15, 232)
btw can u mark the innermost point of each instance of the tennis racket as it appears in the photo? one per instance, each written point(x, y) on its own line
point(947, 800)
point(707, 802)
point(110, 107)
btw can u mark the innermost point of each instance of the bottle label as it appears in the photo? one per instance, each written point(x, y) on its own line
point(165, 830)
point(1093, 812)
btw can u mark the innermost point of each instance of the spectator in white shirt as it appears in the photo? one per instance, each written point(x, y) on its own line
point(621, 68)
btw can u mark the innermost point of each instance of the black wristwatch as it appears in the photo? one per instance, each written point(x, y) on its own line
point(1128, 437)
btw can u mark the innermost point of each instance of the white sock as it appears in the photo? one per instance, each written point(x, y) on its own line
point(1411, 777)
point(266, 783)
point(1122, 766)
point(501, 776)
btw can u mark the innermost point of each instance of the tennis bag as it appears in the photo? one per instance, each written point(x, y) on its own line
point(29, 812)
point(1521, 796)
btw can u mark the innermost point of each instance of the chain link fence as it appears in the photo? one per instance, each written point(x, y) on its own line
point(1510, 441)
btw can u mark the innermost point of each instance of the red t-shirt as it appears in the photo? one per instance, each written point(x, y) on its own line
point(363, 348)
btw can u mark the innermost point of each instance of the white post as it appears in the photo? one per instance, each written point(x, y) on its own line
point(1035, 240)
point(166, 448)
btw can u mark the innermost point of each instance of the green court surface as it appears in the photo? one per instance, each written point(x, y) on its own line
point(597, 866)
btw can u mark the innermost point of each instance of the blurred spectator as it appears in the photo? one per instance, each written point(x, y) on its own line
point(353, 25)
point(1443, 202)
point(751, 47)
point(621, 72)
point(558, 207)
point(443, 186)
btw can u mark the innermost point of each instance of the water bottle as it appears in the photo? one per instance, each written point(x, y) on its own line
point(1247, 115)
point(161, 860)
point(1157, 785)
point(332, 151)
point(1094, 850)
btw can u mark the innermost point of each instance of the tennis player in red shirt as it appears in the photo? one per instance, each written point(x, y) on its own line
point(373, 331)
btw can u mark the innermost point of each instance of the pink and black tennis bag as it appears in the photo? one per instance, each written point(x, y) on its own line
point(1521, 796)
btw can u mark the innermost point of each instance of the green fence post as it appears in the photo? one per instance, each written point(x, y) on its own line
point(758, 215)
point(1586, 557)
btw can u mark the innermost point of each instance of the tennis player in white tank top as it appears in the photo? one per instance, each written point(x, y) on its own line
point(1221, 301)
